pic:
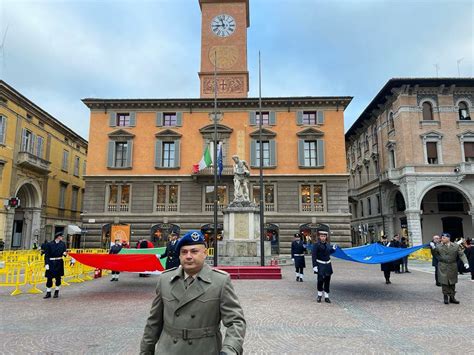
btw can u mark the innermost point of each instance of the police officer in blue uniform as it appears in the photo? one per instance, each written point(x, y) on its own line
point(115, 249)
point(54, 264)
point(297, 255)
point(171, 254)
point(322, 264)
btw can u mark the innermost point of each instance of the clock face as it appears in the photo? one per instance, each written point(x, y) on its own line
point(223, 25)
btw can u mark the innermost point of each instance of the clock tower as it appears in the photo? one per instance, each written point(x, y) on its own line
point(224, 47)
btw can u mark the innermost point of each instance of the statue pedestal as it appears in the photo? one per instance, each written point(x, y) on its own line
point(241, 243)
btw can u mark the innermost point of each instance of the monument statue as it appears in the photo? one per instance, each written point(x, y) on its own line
point(241, 180)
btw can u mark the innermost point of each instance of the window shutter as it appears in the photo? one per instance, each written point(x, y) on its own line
point(23, 139)
point(3, 130)
point(159, 119)
point(158, 148)
point(253, 152)
point(320, 147)
point(273, 153)
point(32, 144)
point(129, 153)
point(252, 118)
point(111, 155)
point(301, 152)
point(176, 153)
point(132, 119)
point(469, 149)
point(272, 118)
point(112, 119)
point(320, 117)
point(299, 118)
point(179, 119)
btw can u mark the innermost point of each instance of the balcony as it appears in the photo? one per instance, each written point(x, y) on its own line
point(118, 208)
point(228, 170)
point(310, 207)
point(163, 207)
point(466, 168)
point(209, 207)
point(32, 162)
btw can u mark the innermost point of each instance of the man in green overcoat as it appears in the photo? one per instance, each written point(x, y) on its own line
point(447, 253)
point(191, 301)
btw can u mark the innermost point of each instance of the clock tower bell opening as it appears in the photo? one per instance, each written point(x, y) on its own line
point(224, 47)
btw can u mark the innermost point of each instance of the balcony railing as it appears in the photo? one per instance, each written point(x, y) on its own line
point(269, 207)
point(310, 207)
point(118, 208)
point(163, 207)
point(33, 162)
point(228, 170)
point(209, 207)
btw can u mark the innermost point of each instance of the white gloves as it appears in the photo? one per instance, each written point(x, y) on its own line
point(46, 266)
point(466, 266)
point(158, 256)
point(72, 262)
point(334, 246)
point(292, 260)
point(315, 269)
point(433, 245)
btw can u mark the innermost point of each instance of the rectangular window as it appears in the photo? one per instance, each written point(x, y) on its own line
point(311, 198)
point(27, 143)
point(268, 195)
point(3, 126)
point(168, 155)
point(378, 203)
point(369, 206)
point(432, 152)
point(118, 198)
point(65, 163)
point(362, 208)
point(310, 155)
point(84, 166)
point(309, 117)
point(469, 152)
point(75, 194)
point(167, 198)
point(265, 118)
point(62, 195)
point(221, 197)
point(170, 119)
point(121, 149)
point(76, 166)
point(392, 159)
point(266, 153)
point(123, 119)
point(39, 146)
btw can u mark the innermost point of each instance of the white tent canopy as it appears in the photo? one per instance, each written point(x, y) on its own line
point(72, 229)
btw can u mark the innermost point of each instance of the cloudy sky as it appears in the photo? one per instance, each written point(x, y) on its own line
point(57, 52)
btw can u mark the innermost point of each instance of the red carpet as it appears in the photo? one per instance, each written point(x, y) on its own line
point(252, 272)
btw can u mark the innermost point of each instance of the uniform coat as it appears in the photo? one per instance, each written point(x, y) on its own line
point(297, 247)
point(54, 250)
point(322, 251)
point(115, 249)
point(447, 255)
point(209, 300)
point(390, 266)
point(172, 256)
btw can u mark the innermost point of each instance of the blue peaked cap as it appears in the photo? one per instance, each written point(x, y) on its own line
point(193, 237)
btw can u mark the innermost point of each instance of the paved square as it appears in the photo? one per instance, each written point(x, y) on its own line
point(366, 316)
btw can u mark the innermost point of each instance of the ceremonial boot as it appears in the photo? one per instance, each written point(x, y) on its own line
point(56, 294)
point(446, 299)
point(327, 300)
point(319, 299)
point(297, 278)
point(48, 295)
point(453, 300)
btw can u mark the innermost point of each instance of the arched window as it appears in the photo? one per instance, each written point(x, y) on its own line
point(366, 142)
point(391, 124)
point(374, 135)
point(463, 111)
point(427, 111)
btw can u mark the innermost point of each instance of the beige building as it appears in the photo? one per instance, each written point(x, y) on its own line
point(42, 162)
point(411, 160)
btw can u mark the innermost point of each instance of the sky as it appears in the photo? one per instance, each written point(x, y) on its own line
point(57, 52)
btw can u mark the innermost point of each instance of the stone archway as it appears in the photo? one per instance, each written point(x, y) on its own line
point(27, 218)
point(396, 220)
point(445, 208)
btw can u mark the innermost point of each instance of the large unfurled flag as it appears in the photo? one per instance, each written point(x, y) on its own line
point(220, 163)
point(206, 159)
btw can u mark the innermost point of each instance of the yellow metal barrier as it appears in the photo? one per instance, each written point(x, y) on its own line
point(13, 275)
point(35, 276)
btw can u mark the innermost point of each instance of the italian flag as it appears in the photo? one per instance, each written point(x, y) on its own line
point(206, 159)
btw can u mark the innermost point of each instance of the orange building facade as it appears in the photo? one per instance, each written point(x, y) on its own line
point(143, 152)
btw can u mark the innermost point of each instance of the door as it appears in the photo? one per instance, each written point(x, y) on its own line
point(17, 233)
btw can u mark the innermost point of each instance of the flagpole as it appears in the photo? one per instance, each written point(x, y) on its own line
point(215, 159)
point(262, 206)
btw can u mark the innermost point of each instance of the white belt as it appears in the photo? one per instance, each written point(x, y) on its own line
point(60, 258)
point(298, 254)
point(323, 262)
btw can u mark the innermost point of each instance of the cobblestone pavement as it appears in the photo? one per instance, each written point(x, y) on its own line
point(366, 316)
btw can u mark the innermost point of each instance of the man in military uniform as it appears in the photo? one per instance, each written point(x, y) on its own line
point(297, 255)
point(115, 249)
point(434, 260)
point(171, 254)
point(447, 253)
point(54, 264)
point(191, 301)
point(321, 256)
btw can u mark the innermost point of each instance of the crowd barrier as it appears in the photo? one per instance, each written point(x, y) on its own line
point(25, 269)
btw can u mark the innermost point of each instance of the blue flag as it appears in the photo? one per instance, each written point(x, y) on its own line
point(220, 164)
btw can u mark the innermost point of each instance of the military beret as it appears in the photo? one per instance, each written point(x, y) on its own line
point(191, 238)
point(59, 234)
point(444, 234)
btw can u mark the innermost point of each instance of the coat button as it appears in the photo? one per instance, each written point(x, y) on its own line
point(193, 316)
point(190, 342)
point(175, 340)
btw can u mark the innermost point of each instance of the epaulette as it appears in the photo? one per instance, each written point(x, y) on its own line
point(220, 271)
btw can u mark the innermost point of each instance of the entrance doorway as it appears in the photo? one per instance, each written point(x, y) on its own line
point(160, 233)
point(272, 234)
point(17, 236)
point(208, 231)
point(453, 226)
